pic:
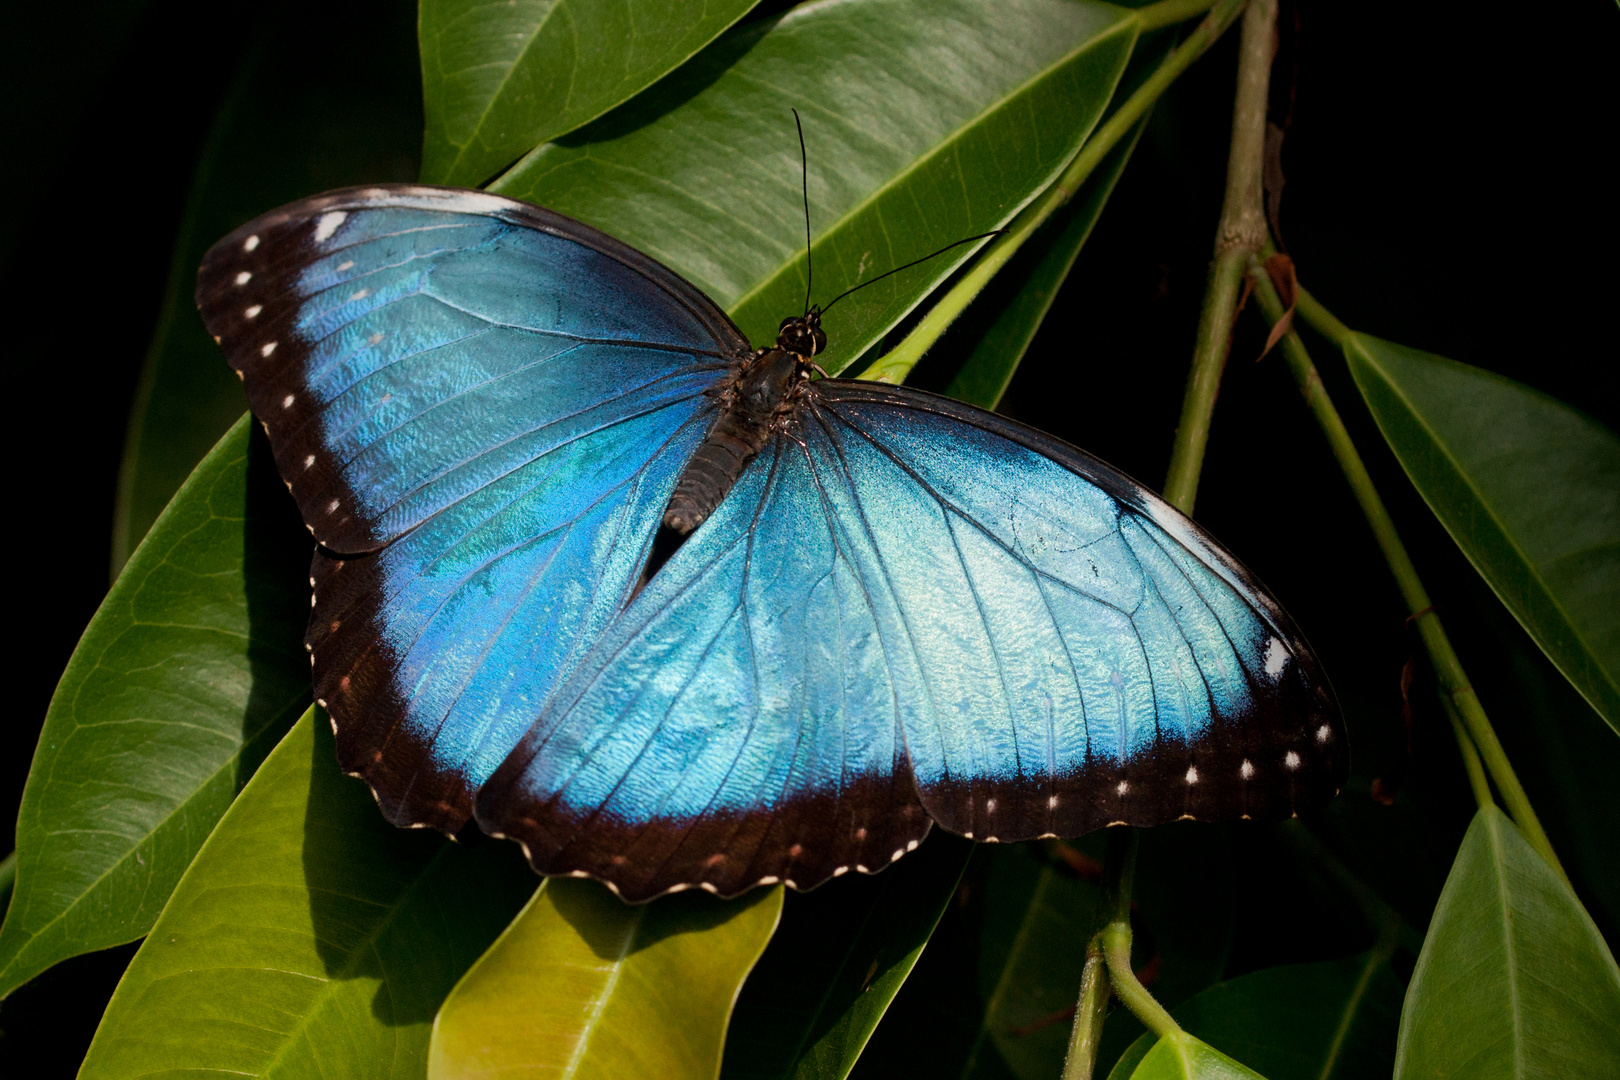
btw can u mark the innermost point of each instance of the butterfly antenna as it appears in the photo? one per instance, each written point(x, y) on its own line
point(909, 265)
point(804, 172)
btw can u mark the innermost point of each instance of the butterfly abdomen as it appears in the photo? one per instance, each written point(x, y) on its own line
point(761, 393)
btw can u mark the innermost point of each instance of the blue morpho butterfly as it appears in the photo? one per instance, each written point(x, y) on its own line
point(892, 610)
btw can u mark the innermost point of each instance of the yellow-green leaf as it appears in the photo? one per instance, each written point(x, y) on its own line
point(310, 939)
point(584, 985)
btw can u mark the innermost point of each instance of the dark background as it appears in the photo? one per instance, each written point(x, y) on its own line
point(1449, 188)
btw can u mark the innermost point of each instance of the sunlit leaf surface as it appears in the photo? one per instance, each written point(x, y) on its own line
point(183, 681)
point(500, 77)
point(584, 985)
point(309, 939)
point(927, 121)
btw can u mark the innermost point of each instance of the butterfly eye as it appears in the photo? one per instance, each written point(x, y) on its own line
point(787, 322)
point(820, 340)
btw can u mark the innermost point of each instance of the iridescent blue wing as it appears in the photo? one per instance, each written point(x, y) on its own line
point(480, 407)
point(906, 610)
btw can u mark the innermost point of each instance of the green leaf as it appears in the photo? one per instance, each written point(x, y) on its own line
point(835, 964)
point(1514, 979)
point(584, 985)
point(1182, 1057)
point(183, 681)
point(500, 79)
point(927, 121)
point(1326, 1021)
point(294, 123)
point(1006, 316)
point(310, 938)
point(1528, 487)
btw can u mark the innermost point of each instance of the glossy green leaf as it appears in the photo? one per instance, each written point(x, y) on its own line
point(295, 123)
point(1016, 303)
point(1333, 1020)
point(836, 963)
point(1528, 487)
point(310, 938)
point(584, 985)
point(1514, 979)
point(1183, 1057)
point(499, 79)
point(183, 681)
point(927, 121)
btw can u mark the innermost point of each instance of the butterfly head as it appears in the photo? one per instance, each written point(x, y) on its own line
point(802, 334)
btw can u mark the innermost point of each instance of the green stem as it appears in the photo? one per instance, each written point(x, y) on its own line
point(1119, 873)
point(897, 364)
point(1241, 233)
point(1321, 319)
point(1086, 1035)
point(1470, 756)
point(1454, 684)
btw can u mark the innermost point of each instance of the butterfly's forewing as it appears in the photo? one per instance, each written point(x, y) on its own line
point(480, 407)
point(911, 609)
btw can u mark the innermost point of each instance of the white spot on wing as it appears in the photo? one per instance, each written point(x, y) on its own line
point(374, 338)
point(347, 264)
point(361, 295)
point(1276, 657)
point(1123, 787)
point(1246, 770)
point(1192, 774)
point(1051, 802)
point(243, 278)
point(897, 853)
point(251, 242)
point(327, 224)
point(331, 507)
point(309, 461)
point(1324, 733)
point(286, 403)
point(268, 349)
point(1291, 760)
point(253, 312)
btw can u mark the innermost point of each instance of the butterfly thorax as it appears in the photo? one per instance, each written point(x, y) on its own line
point(757, 400)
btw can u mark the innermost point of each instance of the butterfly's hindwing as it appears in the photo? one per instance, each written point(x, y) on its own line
point(738, 722)
point(899, 611)
point(1105, 660)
